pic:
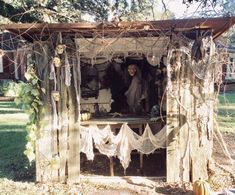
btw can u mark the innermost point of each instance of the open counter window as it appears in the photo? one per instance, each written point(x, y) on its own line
point(129, 87)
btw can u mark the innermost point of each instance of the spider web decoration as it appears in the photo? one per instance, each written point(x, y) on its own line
point(202, 52)
point(105, 49)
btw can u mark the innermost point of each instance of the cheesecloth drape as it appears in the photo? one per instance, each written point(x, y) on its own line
point(122, 144)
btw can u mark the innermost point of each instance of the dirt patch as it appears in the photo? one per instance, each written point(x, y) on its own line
point(223, 172)
point(154, 165)
point(89, 188)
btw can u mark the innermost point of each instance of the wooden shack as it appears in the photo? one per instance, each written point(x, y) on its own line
point(182, 62)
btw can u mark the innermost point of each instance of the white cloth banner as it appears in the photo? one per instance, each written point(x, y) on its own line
point(122, 144)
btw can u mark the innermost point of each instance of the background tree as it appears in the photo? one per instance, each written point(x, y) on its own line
point(80, 10)
point(228, 7)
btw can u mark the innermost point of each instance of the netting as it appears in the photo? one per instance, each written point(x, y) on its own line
point(122, 144)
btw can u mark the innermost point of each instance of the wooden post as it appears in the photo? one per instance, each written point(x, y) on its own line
point(44, 148)
point(141, 128)
point(173, 153)
point(111, 166)
point(187, 159)
point(62, 139)
point(63, 132)
point(73, 139)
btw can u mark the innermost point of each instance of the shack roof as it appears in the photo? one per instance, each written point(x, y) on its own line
point(38, 31)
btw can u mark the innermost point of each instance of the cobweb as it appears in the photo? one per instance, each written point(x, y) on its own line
point(203, 66)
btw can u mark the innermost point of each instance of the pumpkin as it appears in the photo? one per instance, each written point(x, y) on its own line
point(85, 116)
point(201, 187)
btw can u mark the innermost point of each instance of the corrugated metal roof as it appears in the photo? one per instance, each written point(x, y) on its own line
point(141, 28)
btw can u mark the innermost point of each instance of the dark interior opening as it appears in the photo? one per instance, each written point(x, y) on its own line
point(114, 75)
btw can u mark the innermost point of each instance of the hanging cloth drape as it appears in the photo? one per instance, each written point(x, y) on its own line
point(122, 144)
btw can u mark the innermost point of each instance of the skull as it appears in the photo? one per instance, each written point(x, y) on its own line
point(60, 49)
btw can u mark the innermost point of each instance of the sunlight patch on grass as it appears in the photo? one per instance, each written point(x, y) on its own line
point(227, 107)
point(17, 118)
point(10, 114)
point(13, 109)
point(226, 112)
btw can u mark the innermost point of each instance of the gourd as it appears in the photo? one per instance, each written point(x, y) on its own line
point(56, 95)
point(201, 187)
point(85, 116)
point(56, 62)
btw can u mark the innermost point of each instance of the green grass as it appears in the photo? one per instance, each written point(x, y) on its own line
point(226, 112)
point(13, 163)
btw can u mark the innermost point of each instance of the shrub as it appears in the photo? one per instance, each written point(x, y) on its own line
point(8, 88)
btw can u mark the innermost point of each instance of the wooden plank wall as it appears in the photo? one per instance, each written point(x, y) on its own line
point(189, 144)
point(60, 137)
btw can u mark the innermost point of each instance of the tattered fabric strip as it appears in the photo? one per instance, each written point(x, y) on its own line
point(67, 70)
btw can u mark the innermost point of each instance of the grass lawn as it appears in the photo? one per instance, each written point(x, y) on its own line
point(13, 163)
point(226, 112)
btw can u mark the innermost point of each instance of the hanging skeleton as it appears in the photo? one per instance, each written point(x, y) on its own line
point(202, 52)
point(198, 49)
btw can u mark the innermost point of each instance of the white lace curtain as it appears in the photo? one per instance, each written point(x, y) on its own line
point(122, 144)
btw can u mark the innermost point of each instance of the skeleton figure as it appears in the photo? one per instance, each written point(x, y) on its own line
point(155, 111)
point(135, 93)
point(198, 50)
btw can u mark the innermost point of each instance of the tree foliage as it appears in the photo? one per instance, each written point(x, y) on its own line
point(204, 2)
point(229, 7)
point(52, 11)
point(75, 10)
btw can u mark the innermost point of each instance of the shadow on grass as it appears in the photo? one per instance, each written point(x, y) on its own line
point(226, 112)
point(11, 111)
point(13, 163)
point(7, 104)
point(12, 128)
